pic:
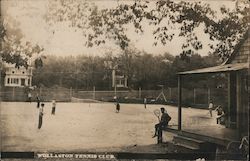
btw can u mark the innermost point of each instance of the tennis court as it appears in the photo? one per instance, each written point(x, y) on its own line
point(84, 126)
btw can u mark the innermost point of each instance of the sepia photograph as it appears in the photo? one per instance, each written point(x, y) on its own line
point(124, 80)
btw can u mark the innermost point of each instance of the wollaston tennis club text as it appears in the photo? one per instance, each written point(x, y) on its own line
point(79, 156)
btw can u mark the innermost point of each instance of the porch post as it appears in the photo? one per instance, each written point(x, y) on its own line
point(229, 99)
point(179, 102)
point(232, 111)
point(239, 116)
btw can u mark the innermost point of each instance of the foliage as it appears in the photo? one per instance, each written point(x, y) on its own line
point(185, 16)
point(142, 69)
point(110, 24)
point(14, 49)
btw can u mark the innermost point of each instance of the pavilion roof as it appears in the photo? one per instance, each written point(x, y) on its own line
point(218, 69)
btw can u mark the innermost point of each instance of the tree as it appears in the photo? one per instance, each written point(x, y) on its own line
point(146, 70)
point(127, 63)
point(101, 25)
point(187, 16)
point(78, 72)
point(14, 49)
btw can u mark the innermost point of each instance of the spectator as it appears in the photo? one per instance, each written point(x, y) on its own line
point(165, 118)
point(220, 115)
point(210, 108)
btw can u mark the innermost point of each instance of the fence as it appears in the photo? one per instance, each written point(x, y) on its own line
point(190, 97)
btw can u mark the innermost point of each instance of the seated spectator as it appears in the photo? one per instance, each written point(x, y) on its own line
point(220, 115)
point(165, 118)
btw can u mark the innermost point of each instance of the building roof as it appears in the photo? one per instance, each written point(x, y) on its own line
point(219, 68)
point(237, 48)
point(225, 66)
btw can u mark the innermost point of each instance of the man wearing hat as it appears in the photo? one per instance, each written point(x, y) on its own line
point(165, 118)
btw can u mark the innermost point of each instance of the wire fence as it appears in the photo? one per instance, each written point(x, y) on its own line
point(190, 97)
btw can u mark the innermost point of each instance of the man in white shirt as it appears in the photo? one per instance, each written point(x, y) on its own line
point(145, 103)
point(53, 107)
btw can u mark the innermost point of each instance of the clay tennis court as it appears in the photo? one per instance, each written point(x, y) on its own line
point(85, 126)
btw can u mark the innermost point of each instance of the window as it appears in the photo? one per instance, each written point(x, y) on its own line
point(14, 81)
point(22, 82)
point(8, 80)
point(13, 72)
point(122, 82)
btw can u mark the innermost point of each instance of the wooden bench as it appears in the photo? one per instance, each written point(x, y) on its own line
point(159, 135)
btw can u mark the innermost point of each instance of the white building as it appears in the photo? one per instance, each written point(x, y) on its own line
point(17, 77)
point(119, 80)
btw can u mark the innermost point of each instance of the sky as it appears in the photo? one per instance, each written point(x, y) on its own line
point(67, 41)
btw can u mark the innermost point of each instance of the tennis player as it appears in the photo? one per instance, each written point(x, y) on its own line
point(145, 103)
point(38, 100)
point(117, 107)
point(53, 107)
point(40, 121)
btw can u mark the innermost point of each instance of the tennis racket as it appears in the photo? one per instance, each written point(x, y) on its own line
point(157, 113)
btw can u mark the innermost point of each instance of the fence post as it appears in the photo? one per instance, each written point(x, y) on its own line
point(94, 92)
point(40, 91)
point(139, 92)
point(13, 94)
point(70, 92)
point(170, 93)
point(194, 96)
point(115, 91)
point(209, 95)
